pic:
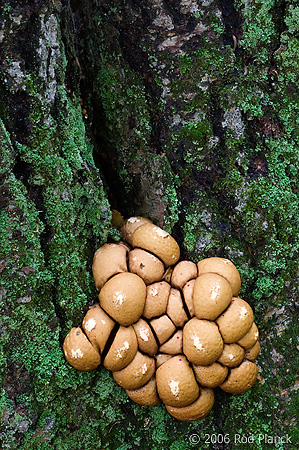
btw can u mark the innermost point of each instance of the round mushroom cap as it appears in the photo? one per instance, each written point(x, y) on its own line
point(198, 409)
point(157, 241)
point(174, 345)
point(146, 340)
point(232, 355)
point(241, 378)
point(250, 338)
point(122, 350)
point(188, 296)
point(130, 225)
point(137, 373)
point(253, 352)
point(176, 382)
point(210, 376)
point(175, 308)
point(211, 295)
point(223, 267)
point(123, 297)
point(156, 299)
point(79, 352)
point(183, 272)
point(108, 260)
point(145, 395)
point(202, 342)
point(163, 328)
point(236, 321)
point(97, 326)
point(145, 265)
point(161, 358)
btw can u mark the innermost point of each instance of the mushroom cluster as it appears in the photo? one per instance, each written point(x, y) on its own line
point(169, 331)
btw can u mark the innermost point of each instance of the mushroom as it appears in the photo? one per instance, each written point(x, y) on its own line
point(123, 297)
point(174, 345)
point(210, 376)
point(79, 352)
point(157, 241)
point(97, 326)
point(241, 378)
point(183, 272)
point(253, 352)
point(108, 260)
point(156, 299)
point(176, 382)
point(161, 358)
point(232, 355)
point(145, 395)
point(137, 373)
point(202, 342)
point(223, 267)
point(188, 296)
point(175, 308)
point(163, 328)
point(211, 296)
point(130, 225)
point(199, 409)
point(236, 321)
point(122, 350)
point(250, 338)
point(146, 340)
point(145, 265)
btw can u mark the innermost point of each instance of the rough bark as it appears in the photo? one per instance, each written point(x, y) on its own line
point(184, 111)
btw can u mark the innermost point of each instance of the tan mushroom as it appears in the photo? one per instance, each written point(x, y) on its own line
point(156, 299)
point(176, 382)
point(163, 328)
point(241, 378)
point(211, 295)
point(137, 373)
point(182, 273)
point(145, 265)
point(199, 409)
point(108, 260)
point(232, 355)
point(174, 345)
point(145, 395)
point(253, 352)
point(212, 375)
point(157, 241)
point(146, 340)
point(97, 326)
point(122, 350)
point(188, 296)
point(123, 297)
point(130, 225)
point(79, 352)
point(161, 358)
point(250, 338)
point(175, 308)
point(223, 267)
point(202, 342)
point(236, 321)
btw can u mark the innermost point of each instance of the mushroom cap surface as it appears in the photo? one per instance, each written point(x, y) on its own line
point(79, 352)
point(241, 378)
point(108, 260)
point(175, 308)
point(163, 328)
point(174, 345)
point(232, 355)
point(122, 350)
point(199, 409)
point(250, 337)
point(146, 340)
point(202, 342)
point(188, 296)
point(212, 375)
point(145, 395)
point(156, 299)
point(183, 272)
point(157, 241)
point(123, 297)
point(161, 358)
point(97, 326)
point(253, 352)
point(211, 295)
point(137, 373)
point(145, 265)
point(236, 320)
point(223, 267)
point(176, 382)
point(130, 225)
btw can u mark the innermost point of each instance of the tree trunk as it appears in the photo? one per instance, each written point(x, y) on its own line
point(180, 110)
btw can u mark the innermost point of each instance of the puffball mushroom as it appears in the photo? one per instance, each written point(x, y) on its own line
point(169, 331)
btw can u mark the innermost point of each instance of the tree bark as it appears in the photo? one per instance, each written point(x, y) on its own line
point(179, 110)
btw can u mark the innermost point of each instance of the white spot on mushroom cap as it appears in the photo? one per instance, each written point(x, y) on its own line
point(118, 298)
point(103, 321)
point(77, 353)
point(90, 324)
point(154, 291)
point(122, 349)
point(174, 387)
point(161, 232)
point(215, 291)
point(243, 312)
point(133, 220)
point(197, 342)
point(144, 368)
point(256, 334)
point(144, 334)
point(231, 356)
